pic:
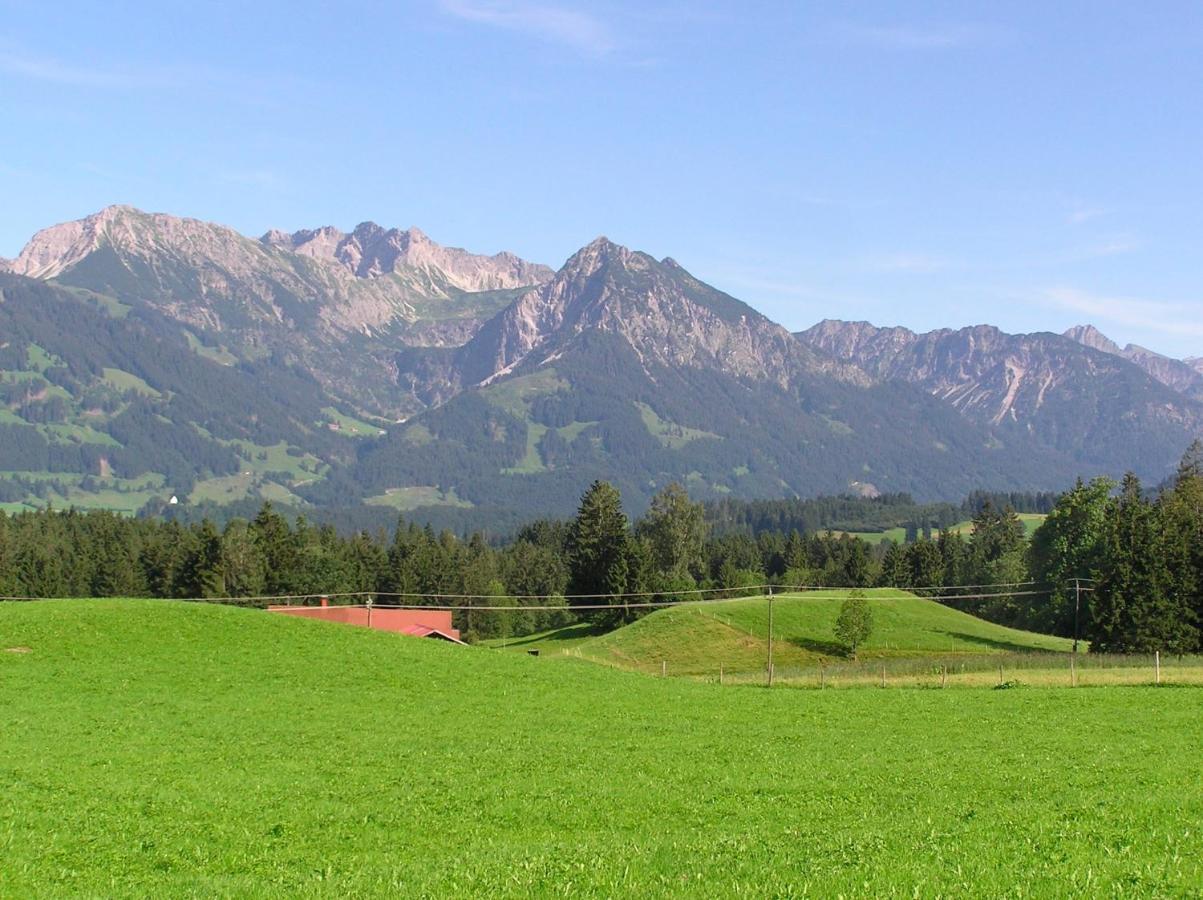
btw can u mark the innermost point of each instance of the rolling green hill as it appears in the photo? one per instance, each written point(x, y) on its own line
point(155, 748)
point(695, 639)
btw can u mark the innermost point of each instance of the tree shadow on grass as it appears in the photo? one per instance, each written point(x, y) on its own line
point(992, 644)
point(822, 648)
point(567, 633)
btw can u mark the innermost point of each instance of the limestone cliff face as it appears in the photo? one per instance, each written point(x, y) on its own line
point(211, 276)
point(1089, 336)
point(666, 315)
point(1067, 392)
point(338, 305)
point(1178, 374)
point(371, 251)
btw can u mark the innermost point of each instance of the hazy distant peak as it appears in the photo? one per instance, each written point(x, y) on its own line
point(371, 250)
point(1185, 377)
point(55, 249)
point(1090, 336)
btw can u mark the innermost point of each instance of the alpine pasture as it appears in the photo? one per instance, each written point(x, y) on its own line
point(158, 748)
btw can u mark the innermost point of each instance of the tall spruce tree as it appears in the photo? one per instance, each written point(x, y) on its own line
point(598, 546)
point(1134, 608)
point(1181, 511)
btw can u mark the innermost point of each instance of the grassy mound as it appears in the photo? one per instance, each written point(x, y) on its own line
point(695, 639)
point(164, 749)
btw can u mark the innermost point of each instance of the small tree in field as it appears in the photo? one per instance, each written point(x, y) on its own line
point(855, 622)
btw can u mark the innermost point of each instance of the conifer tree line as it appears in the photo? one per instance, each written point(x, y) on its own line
point(1139, 558)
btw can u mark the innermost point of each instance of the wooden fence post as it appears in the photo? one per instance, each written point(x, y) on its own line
point(1157, 667)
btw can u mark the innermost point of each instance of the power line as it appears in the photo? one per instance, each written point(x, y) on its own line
point(791, 592)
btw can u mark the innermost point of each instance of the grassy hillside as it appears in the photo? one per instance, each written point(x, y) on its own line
point(1031, 521)
point(695, 639)
point(154, 748)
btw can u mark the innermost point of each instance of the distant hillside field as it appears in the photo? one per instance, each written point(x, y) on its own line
point(696, 638)
point(1031, 521)
point(155, 748)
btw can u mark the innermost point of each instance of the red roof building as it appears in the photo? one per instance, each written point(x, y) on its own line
point(427, 623)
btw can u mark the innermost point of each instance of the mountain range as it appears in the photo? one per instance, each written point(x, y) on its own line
point(146, 356)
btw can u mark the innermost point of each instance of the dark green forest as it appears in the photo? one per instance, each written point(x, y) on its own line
point(1133, 558)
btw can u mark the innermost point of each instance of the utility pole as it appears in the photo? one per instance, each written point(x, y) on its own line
point(1077, 609)
point(770, 661)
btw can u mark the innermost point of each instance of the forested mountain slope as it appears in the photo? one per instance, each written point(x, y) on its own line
point(376, 372)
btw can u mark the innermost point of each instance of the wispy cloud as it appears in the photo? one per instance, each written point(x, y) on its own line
point(30, 65)
point(555, 24)
point(49, 69)
point(1167, 317)
point(917, 263)
point(917, 37)
point(1082, 214)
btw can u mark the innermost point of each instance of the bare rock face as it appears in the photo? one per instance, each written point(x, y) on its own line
point(1180, 375)
point(1089, 336)
point(308, 295)
point(666, 315)
point(371, 251)
point(1033, 382)
point(55, 249)
point(1196, 363)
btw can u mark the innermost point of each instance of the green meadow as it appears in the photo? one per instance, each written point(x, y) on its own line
point(158, 748)
point(698, 638)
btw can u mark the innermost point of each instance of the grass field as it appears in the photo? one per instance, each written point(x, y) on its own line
point(696, 639)
point(409, 498)
point(153, 748)
point(1031, 521)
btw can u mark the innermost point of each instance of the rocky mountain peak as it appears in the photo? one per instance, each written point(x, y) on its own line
point(1090, 336)
point(371, 250)
point(666, 316)
point(1196, 363)
point(851, 341)
point(55, 249)
point(1180, 375)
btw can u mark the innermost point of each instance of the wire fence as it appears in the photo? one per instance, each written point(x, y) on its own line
point(507, 622)
point(992, 670)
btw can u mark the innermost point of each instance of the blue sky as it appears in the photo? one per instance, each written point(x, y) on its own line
point(1032, 165)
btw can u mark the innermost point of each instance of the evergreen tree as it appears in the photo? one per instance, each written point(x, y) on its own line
point(1181, 511)
point(924, 564)
point(242, 561)
point(1135, 608)
point(598, 546)
point(895, 571)
point(202, 575)
point(954, 556)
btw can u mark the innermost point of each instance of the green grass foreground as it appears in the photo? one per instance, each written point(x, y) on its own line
point(153, 748)
point(698, 638)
